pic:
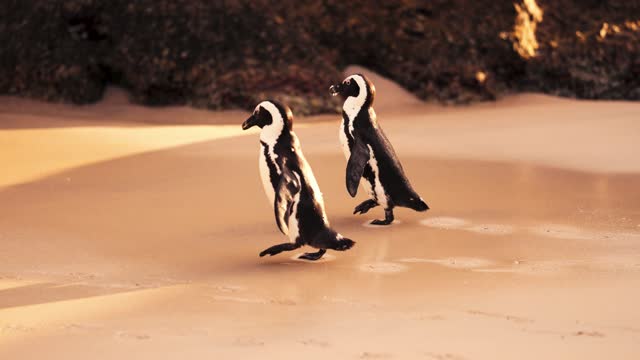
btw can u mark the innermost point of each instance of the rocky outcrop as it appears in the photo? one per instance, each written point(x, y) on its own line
point(226, 54)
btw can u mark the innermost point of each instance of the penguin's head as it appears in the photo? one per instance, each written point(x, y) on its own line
point(270, 116)
point(357, 86)
point(416, 203)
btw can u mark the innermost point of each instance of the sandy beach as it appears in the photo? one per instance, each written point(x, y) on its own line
point(134, 232)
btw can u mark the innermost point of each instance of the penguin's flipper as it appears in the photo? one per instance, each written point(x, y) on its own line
point(288, 187)
point(355, 166)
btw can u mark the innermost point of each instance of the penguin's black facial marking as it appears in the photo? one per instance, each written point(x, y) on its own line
point(351, 88)
point(345, 89)
point(260, 118)
point(264, 118)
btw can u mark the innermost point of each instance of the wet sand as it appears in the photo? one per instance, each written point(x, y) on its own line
point(135, 232)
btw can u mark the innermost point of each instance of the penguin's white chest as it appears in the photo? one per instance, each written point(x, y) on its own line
point(344, 141)
point(266, 178)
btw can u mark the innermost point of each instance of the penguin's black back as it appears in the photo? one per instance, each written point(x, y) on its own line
point(391, 174)
point(310, 213)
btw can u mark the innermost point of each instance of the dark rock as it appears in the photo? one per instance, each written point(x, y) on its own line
point(231, 54)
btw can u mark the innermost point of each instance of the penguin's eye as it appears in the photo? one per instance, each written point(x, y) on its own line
point(348, 82)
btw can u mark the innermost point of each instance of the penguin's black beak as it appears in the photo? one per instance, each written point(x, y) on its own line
point(420, 205)
point(335, 89)
point(417, 204)
point(250, 122)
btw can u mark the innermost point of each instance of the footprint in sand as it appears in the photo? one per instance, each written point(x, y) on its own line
point(314, 342)
point(230, 288)
point(80, 327)
point(562, 232)
point(237, 299)
point(131, 335)
point(243, 300)
point(627, 236)
point(285, 302)
point(518, 267)
point(453, 262)
point(445, 222)
point(516, 319)
point(248, 342)
point(537, 267)
point(341, 301)
point(576, 233)
point(453, 223)
point(383, 268)
point(11, 328)
point(445, 356)
point(588, 333)
point(564, 334)
point(492, 229)
point(375, 355)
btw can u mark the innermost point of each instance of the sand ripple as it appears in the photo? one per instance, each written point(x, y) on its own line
point(562, 232)
point(444, 222)
point(453, 262)
point(383, 268)
point(492, 229)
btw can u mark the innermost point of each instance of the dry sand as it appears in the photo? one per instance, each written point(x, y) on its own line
point(129, 232)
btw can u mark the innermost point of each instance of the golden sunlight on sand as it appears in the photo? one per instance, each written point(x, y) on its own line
point(31, 154)
point(135, 232)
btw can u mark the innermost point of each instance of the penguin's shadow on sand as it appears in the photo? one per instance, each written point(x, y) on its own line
point(288, 262)
point(253, 268)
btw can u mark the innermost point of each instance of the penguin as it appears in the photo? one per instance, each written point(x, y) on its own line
point(369, 153)
point(290, 185)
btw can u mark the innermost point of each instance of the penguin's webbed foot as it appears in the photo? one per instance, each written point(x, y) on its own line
point(381, 222)
point(313, 256)
point(365, 206)
point(388, 218)
point(277, 249)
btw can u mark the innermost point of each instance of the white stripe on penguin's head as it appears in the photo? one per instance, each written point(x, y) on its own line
point(365, 95)
point(271, 132)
